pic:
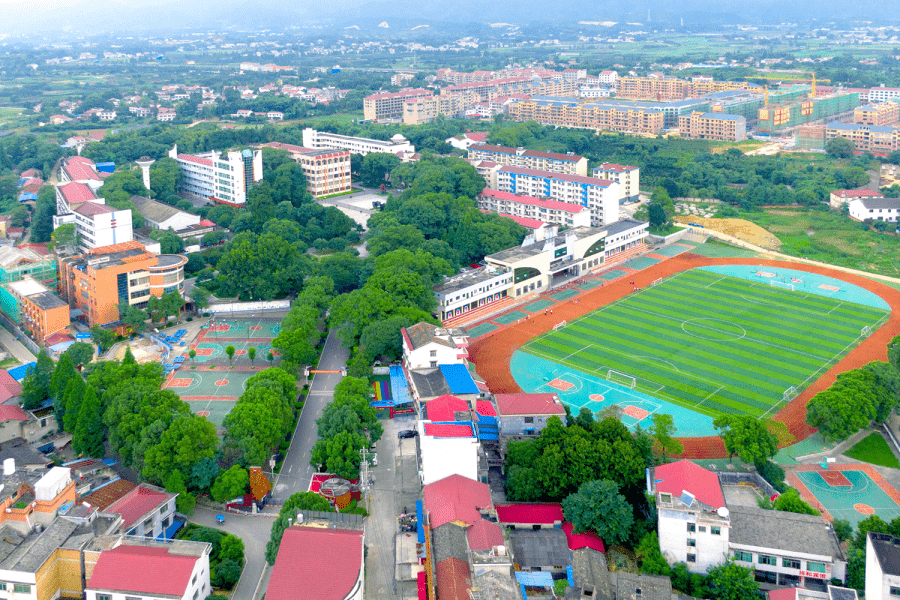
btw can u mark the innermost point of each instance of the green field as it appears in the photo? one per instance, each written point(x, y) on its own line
point(712, 343)
point(875, 450)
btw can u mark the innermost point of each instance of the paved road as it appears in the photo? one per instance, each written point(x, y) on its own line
point(15, 347)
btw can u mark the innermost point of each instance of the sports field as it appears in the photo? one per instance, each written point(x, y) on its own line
point(714, 343)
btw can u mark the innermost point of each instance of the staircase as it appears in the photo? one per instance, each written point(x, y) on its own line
point(621, 257)
point(488, 310)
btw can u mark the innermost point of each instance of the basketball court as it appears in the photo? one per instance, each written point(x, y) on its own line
point(851, 492)
point(214, 352)
point(223, 329)
point(209, 393)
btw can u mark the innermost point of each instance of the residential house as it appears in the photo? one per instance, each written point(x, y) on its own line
point(875, 209)
point(146, 511)
point(427, 346)
point(316, 563)
point(527, 414)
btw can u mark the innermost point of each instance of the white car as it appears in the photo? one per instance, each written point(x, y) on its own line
point(375, 460)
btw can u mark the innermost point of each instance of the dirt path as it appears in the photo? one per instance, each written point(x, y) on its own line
point(741, 229)
point(492, 353)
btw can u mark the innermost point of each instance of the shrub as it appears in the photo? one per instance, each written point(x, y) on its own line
point(773, 474)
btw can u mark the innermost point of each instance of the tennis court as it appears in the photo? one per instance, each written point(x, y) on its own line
point(480, 330)
point(590, 284)
point(851, 492)
point(640, 263)
point(612, 275)
point(565, 295)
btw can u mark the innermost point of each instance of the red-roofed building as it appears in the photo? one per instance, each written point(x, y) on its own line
point(841, 197)
point(627, 176)
point(539, 209)
point(81, 170)
point(570, 164)
point(12, 412)
point(527, 414)
point(484, 535)
point(530, 515)
point(447, 408)
point(73, 194)
point(448, 449)
point(453, 579)
point(9, 387)
point(588, 539)
point(456, 498)
point(448, 430)
point(485, 408)
point(318, 564)
point(223, 178)
point(154, 570)
point(532, 224)
point(147, 511)
point(683, 476)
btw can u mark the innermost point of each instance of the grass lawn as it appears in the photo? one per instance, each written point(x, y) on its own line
point(828, 237)
point(874, 450)
point(711, 343)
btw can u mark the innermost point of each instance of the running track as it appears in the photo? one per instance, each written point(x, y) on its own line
point(492, 352)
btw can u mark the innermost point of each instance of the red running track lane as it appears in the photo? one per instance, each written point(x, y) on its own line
point(492, 352)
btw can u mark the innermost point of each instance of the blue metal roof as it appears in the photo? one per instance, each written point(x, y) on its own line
point(459, 379)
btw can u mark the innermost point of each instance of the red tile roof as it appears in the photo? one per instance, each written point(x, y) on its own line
point(857, 194)
point(443, 408)
point(9, 387)
point(207, 223)
point(80, 169)
point(41, 249)
point(30, 173)
point(616, 168)
point(588, 539)
point(195, 159)
point(103, 497)
point(90, 209)
point(525, 221)
point(529, 404)
point(11, 412)
point(456, 498)
point(530, 514)
point(485, 408)
point(143, 570)
point(77, 192)
point(783, 594)
point(477, 136)
point(453, 579)
point(561, 176)
point(484, 535)
point(448, 431)
point(316, 564)
point(57, 338)
point(532, 201)
point(685, 476)
point(137, 503)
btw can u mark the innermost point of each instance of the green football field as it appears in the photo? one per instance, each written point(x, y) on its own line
point(714, 344)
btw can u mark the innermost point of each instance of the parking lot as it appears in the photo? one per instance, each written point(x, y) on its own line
point(396, 486)
point(358, 206)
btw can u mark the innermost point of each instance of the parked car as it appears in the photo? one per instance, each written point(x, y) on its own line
point(407, 433)
point(374, 460)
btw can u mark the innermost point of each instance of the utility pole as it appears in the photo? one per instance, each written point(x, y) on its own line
point(365, 482)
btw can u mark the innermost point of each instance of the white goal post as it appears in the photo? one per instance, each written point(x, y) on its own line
point(789, 394)
point(774, 283)
point(559, 326)
point(655, 281)
point(865, 332)
point(621, 378)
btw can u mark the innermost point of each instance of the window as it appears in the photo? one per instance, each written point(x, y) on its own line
point(665, 498)
point(702, 529)
point(894, 591)
point(104, 597)
point(22, 588)
point(529, 420)
point(2, 587)
point(691, 542)
point(790, 563)
point(433, 363)
point(691, 527)
point(433, 353)
point(743, 556)
point(765, 559)
point(815, 567)
point(692, 558)
point(715, 530)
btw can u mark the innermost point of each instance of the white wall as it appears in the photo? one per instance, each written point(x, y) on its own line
point(878, 585)
point(860, 212)
point(710, 550)
point(421, 358)
point(442, 457)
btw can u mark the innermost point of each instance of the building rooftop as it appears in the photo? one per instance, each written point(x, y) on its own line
point(168, 260)
point(859, 127)
point(197, 160)
point(450, 541)
point(139, 502)
point(447, 408)
point(549, 204)
point(624, 225)
point(529, 404)
point(591, 573)
point(532, 153)
point(80, 168)
point(464, 279)
point(887, 552)
point(11, 256)
point(857, 194)
point(722, 116)
point(530, 514)
point(316, 564)
point(875, 203)
point(559, 176)
point(631, 586)
point(143, 570)
point(791, 532)
point(157, 211)
point(422, 334)
point(449, 430)
point(615, 168)
point(26, 287)
point(684, 476)
point(520, 253)
point(401, 94)
point(456, 498)
point(540, 547)
point(75, 192)
point(453, 579)
point(103, 497)
point(46, 300)
point(484, 535)
point(524, 221)
point(12, 412)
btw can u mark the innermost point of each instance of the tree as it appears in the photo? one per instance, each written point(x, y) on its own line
point(229, 350)
point(730, 581)
point(187, 441)
point(842, 529)
point(74, 391)
point(104, 338)
point(657, 215)
point(175, 484)
point(839, 148)
point(230, 484)
point(133, 318)
point(846, 407)
point(598, 506)
point(193, 354)
point(81, 353)
point(301, 501)
point(64, 238)
point(89, 433)
point(36, 384)
point(340, 454)
point(790, 501)
point(894, 352)
point(652, 560)
point(662, 429)
point(64, 373)
point(270, 357)
point(251, 354)
point(203, 474)
point(746, 436)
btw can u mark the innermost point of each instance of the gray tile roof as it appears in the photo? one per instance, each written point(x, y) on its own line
point(623, 225)
point(789, 532)
point(540, 548)
point(422, 334)
point(430, 383)
point(153, 210)
point(876, 203)
point(887, 552)
point(450, 541)
point(630, 586)
point(590, 572)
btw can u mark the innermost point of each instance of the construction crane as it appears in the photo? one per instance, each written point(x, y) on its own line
point(812, 81)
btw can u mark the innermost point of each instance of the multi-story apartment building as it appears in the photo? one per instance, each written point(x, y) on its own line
point(388, 105)
point(883, 94)
point(628, 178)
point(600, 196)
point(327, 171)
point(718, 127)
point(474, 76)
point(495, 87)
point(600, 115)
point(81, 170)
point(97, 282)
point(569, 163)
point(662, 89)
point(397, 145)
point(885, 113)
point(542, 209)
point(425, 109)
point(220, 178)
point(35, 308)
point(866, 138)
point(608, 77)
point(97, 224)
point(400, 78)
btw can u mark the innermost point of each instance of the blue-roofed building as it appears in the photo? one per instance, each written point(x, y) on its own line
point(459, 379)
point(720, 127)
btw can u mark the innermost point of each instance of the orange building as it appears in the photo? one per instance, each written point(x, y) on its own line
point(96, 283)
point(38, 310)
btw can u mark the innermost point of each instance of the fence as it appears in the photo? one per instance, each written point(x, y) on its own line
point(233, 307)
point(16, 331)
point(752, 478)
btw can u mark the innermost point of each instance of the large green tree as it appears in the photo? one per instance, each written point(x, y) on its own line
point(187, 441)
point(790, 501)
point(849, 405)
point(598, 506)
point(230, 484)
point(89, 433)
point(730, 581)
point(662, 430)
point(747, 437)
point(36, 384)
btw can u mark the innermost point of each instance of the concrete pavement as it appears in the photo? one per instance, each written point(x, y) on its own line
point(15, 347)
